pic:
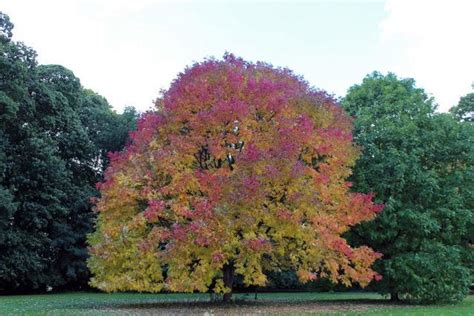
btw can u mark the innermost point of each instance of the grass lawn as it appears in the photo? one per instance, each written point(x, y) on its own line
point(185, 304)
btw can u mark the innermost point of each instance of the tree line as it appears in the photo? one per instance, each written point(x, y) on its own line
point(54, 140)
point(55, 136)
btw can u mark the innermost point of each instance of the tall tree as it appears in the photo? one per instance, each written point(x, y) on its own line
point(419, 164)
point(48, 168)
point(241, 171)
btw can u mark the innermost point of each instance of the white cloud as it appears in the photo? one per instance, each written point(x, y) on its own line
point(434, 43)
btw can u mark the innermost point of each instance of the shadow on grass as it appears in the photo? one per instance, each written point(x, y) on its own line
point(248, 303)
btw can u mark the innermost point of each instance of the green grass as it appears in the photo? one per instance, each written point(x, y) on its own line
point(286, 303)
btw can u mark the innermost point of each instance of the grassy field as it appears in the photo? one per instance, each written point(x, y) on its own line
point(186, 304)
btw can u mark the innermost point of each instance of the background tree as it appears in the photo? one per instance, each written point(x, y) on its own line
point(464, 113)
point(106, 128)
point(465, 108)
point(419, 164)
point(50, 160)
point(241, 171)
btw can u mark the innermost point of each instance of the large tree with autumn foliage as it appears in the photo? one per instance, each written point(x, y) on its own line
point(241, 170)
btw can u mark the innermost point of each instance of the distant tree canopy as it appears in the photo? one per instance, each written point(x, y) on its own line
point(54, 136)
point(465, 109)
point(419, 163)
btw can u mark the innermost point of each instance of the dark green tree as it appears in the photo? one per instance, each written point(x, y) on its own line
point(106, 128)
point(54, 139)
point(6, 28)
point(419, 163)
point(465, 109)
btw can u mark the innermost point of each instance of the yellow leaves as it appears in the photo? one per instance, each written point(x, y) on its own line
point(219, 287)
point(333, 268)
point(196, 275)
point(259, 279)
point(305, 275)
point(249, 266)
point(126, 269)
point(123, 180)
point(137, 223)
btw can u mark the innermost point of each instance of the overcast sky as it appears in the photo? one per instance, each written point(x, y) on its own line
point(127, 50)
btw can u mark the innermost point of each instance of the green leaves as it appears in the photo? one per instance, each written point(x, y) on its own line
point(6, 28)
point(419, 163)
point(50, 159)
point(434, 273)
point(464, 111)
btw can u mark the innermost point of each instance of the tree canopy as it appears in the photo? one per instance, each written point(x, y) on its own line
point(241, 170)
point(419, 163)
point(464, 110)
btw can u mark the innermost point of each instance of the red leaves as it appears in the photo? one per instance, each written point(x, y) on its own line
point(258, 244)
point(305, 126)
point(322, 178)
point(203, 210)
point(146, 128)
point(154, 209)
point(178, 232)
point(362, 208)
point(342, 246)
point(211, 183)
point(285, 214)
point(251, 154)
point(217, 257)
point(250, 184)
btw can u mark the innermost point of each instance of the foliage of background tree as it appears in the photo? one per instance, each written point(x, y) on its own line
point(465, 109)
point(241, 171)
point(53, 140)
point(419, 163)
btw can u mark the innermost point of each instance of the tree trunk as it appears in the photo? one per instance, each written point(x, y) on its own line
point(228, 271)
point(394, 297)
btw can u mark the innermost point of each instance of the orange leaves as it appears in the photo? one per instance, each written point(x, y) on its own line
point(360, 208)
point(306, 276)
